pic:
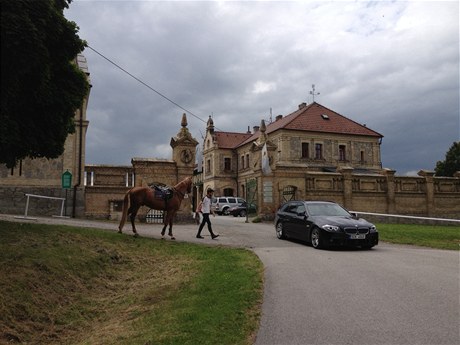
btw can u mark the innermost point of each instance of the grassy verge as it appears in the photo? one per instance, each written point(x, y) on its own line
point(64, 285)
point(442, 237)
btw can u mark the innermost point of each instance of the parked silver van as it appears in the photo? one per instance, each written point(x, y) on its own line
point(221, 204)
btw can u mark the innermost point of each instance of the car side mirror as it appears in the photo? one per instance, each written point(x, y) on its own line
point(355, 215)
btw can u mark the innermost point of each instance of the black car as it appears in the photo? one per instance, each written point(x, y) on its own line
point(324, 224)
point(242, 209)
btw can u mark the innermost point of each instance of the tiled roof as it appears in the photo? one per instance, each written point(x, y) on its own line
point(317, 118)
point(229, 140)
point(312, 118)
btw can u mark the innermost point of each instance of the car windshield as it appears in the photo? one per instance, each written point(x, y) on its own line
point(326, 210)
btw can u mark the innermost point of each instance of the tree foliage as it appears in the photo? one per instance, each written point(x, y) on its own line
point(41, 86)
point(451, 164)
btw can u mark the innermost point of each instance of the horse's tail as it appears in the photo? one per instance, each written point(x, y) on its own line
point(124, 213)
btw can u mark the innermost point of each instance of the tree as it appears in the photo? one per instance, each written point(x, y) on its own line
point(41, 87)
point(452, 163)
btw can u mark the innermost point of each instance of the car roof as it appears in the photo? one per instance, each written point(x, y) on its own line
point(312, 201)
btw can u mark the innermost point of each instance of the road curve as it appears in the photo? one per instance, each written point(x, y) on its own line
point(392, 294)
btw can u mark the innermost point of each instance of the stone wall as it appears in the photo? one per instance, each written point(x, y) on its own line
point(423, 195)
point(13, 201)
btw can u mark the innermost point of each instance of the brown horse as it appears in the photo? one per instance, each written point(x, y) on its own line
point(145, 196)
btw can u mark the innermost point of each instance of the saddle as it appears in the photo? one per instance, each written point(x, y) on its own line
point(162, 192)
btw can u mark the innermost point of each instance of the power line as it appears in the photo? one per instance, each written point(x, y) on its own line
point(145, 84)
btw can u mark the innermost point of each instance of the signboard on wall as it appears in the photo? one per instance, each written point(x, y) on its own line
point(268, 191)
point(67, 180)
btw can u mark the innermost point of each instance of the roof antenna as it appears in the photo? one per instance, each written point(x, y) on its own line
point(271, 115)
point(313, 92)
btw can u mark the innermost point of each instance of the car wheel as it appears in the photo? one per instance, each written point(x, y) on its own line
point(225, 211)
point(242, 213)
point(316, 238)
point(280, 231)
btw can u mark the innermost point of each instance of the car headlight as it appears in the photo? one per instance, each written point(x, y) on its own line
point(373, 228)
point(332, 228)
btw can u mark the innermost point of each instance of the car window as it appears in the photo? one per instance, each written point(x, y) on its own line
point(240, 200)
point(292, 208)
point(222, 200)
point(232, 200)
point(300, 209)
point(326, 210)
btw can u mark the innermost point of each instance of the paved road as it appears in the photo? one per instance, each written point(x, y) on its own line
point(390, 295)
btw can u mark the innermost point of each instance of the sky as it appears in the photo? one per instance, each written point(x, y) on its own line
point(392, 65)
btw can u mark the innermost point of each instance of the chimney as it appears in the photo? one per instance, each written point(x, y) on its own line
point(302, 105)
point(255, 129)
point(278, 117)
point(249, 131)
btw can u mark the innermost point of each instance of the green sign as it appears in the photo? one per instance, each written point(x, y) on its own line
point(67, 180)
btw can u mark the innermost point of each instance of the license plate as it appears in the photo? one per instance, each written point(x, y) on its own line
point(357, 237)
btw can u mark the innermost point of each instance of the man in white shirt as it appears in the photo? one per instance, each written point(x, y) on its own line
point(205, 208)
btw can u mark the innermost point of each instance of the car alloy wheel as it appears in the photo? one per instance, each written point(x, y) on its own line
point(316, 240)
point(225, 211)
point(242, 213)
point(280, 231)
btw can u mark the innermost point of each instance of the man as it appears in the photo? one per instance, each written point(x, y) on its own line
point(205, 208)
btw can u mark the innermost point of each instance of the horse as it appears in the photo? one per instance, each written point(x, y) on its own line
point(145, 196)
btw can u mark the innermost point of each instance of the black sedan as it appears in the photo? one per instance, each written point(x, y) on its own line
point(324, 224)
point(242, 209)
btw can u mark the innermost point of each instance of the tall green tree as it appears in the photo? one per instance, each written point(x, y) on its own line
point(451, 164)
point(41, 87)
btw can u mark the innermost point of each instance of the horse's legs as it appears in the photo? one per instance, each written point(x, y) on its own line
point(170, 229)
point(132, 215)
point(165, 222)
point(168, 221)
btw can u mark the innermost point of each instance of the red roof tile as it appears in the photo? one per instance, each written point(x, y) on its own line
point(229, 140)
point(312, 118)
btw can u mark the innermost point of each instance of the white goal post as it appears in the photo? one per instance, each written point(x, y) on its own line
point(25, 216)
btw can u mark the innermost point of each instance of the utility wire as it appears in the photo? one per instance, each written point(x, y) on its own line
point(146, 85)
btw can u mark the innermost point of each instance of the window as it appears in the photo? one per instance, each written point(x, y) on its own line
point(305, 150)
point(318, 151)
point(247, 160)
point(208, 166)
point(342, 155)
point(242, 162)
point(362, 157)
point(228, 192)
point(227, 164)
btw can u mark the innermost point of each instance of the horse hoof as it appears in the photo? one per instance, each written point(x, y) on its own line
point(136, 235)
point(173, 238)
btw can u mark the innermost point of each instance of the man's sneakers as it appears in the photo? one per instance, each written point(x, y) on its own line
point(212, 236)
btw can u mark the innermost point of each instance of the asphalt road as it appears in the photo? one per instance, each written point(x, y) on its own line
point(392, 294)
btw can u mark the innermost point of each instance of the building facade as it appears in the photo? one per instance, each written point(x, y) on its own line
point(316, 153)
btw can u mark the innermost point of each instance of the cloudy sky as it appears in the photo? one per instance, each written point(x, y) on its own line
point(392, 65)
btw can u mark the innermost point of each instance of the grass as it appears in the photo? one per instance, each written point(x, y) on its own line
point(441, 237)
point(65, 285)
